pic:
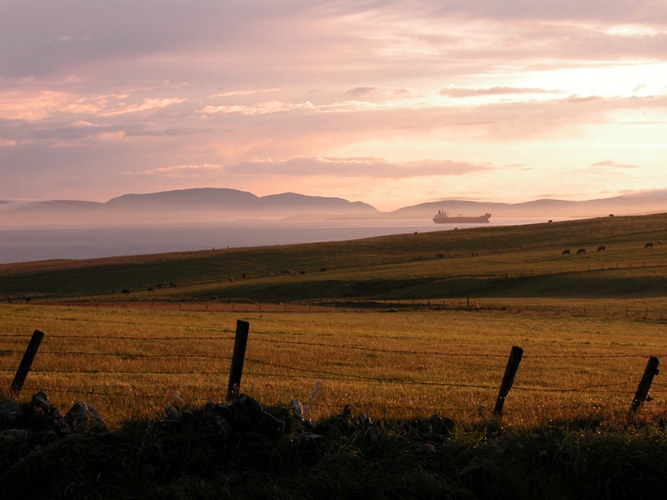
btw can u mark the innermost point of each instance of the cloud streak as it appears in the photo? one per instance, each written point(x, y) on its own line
point(182, 170)
point(353, 168)
point(611, 164)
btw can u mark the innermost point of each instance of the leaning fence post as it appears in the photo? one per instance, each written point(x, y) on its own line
point(238, 356)
point(24, 367)
point(650, 371)
point(508, 378)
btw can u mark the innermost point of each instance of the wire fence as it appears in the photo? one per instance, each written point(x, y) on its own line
point(163, 368)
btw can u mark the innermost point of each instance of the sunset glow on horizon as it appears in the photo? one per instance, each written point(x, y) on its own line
point(387, 102)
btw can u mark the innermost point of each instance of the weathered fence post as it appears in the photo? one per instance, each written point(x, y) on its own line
point(508, 378)
point(238, 356)
point(650, 371)
point(24, 367)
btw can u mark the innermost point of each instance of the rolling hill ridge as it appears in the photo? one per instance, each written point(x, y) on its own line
point(221, 204)
point(500, 261)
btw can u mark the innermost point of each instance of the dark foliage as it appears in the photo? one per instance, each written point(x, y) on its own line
point(347, 456)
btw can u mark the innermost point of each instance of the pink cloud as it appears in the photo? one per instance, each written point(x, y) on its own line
point(612, 164)
point(493, 91)
point(182, 170)
point(261, 108)
point(355, 167)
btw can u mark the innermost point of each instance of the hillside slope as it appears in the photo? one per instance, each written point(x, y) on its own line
point(490, 261)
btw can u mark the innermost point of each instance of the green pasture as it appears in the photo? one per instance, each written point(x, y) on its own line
point(129, 360)
point(510, 261)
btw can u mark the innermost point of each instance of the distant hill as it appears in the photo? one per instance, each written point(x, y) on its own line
point(185, 199)
point(49, 212)
point(185, 205)
point(206, 205)
point(633, 204)
point(234, 201)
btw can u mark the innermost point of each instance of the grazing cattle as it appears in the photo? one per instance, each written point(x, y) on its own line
point(566, 252)
point(125, 290)
point(649, 245)
point(659, 242)
point(581, 251)
point(151, 289)
point(601, 248)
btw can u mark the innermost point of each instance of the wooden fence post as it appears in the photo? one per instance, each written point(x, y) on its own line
point(508, 378)
point(24, 367)
point(650, 371)
point(238, 356)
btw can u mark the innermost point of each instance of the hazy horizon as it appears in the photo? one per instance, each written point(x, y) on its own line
point(222, 206)
point(390, 103)
point(112, 240)
point(416, 202)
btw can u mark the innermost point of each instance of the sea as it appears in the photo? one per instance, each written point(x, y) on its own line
point(25, 244)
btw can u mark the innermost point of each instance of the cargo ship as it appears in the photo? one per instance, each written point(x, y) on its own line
point(443, 217)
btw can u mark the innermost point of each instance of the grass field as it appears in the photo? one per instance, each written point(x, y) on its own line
point(133, 361)
point(400, 328)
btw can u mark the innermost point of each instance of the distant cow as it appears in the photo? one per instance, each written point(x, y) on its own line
point(659, 242)
point(566, 252)
point(649, 245)
point(581, 251)
point(601, 248)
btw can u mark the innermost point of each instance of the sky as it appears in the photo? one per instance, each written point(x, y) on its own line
point(393, 102)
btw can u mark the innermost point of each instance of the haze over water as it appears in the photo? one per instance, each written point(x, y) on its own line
point(31, 244)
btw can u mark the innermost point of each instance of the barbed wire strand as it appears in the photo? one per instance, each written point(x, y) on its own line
point(334, 376)
point(359, 348)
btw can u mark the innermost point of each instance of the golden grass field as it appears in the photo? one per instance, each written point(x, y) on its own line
point(129, 360)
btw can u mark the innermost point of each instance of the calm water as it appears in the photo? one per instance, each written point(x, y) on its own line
point(22, 245)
